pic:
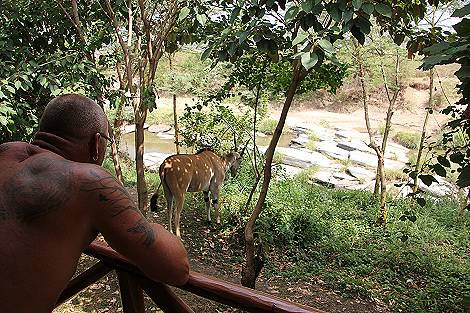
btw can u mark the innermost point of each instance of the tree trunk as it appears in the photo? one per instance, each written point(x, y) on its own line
point(423, 132)
point(142, 192)
point(175, 117)
point(382, 219)
point(252, 267)
point(114, 152)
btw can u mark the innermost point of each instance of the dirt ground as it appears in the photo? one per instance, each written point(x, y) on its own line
point(409, 113)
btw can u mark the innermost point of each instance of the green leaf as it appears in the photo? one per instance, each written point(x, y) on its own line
point(17, 84)
point(457, 157)
point(443, 161)
point(439, 170)
point(291, 13)
point(463, 27)
point(201, 18)
point(357, 4)
point(421, 201)
point(427, 179)
point(242, 36)
point(383, 9)
point(309, 59)
point(356, 32)
point(326, 45)
point(10, 88)
point(2, 95)
point(299, 38)
point(206, 53)
point(183, 13)
point(368, 8)
point(307, 6)
point(462, 12)
point(235, 14)
point(464, 177)
point(334, 12)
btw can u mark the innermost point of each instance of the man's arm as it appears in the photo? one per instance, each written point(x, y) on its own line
point(158, 253)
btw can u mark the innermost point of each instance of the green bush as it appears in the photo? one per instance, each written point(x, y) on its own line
point(410, 140)
point(267, 126)
point(331, 234)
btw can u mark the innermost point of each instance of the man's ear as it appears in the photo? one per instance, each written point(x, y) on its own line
point(95, 148)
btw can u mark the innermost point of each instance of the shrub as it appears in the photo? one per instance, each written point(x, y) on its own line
point(410, 140)
point(267, 126)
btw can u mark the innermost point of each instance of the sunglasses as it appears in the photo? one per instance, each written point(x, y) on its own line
point(110, 141)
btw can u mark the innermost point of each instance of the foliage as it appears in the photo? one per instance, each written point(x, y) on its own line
point(267, 126)
point(330, 234)
point(215, 126)
point(41, 56)
point(407, 139)
point(454, 49)
point(184, 72)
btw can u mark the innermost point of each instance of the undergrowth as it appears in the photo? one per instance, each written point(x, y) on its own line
point(330, 235)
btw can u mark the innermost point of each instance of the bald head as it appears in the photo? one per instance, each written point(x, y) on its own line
point(73, 117)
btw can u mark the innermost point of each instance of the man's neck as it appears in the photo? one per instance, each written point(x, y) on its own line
point(53, 143)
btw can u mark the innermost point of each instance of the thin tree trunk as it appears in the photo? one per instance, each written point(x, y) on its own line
point(114, 154)
point(142, 191)
point(175, 117)
point(423, 131)
point(251, 267)
point(380, 178)
point(382, 219)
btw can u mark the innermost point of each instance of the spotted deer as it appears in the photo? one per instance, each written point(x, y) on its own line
point(204, 171)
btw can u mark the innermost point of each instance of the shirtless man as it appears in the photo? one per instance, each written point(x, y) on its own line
point(54, 200)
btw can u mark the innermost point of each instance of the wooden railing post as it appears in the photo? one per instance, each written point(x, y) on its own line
point(164, 297)
point(132, 296)
point(82, 281)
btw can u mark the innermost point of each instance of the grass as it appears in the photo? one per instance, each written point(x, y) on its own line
point(312, 141)
point(410, 140)
point(330, 235)
point(267, 126)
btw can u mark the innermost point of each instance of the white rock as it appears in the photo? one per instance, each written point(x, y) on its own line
point(360, 172)
point(324, 178)
point(301, 140)
point(344, 177)
point(291, 170)
point(302, 158)
point(363, 158)
point(354, 145)
point(153, 159)
point(159, 128)
point(128, 129)
point(330, 149)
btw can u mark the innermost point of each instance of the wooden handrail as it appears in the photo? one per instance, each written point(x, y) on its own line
point(208, 287)
point(85, 279)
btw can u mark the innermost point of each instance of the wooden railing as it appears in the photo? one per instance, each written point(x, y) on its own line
point(132, 283)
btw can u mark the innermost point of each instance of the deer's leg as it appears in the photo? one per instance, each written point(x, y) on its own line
point(179, 200)
point(208, 204)
point(169, 206)
point(215, 203)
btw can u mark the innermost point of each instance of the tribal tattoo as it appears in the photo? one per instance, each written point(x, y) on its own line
point(114, 196)
point(110, 193)
point(42, 186)
point(143, 227)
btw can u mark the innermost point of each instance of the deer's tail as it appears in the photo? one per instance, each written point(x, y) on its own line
point(154, 200)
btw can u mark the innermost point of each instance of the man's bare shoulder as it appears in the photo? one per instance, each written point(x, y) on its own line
point(103, 190)
point(35, 182)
